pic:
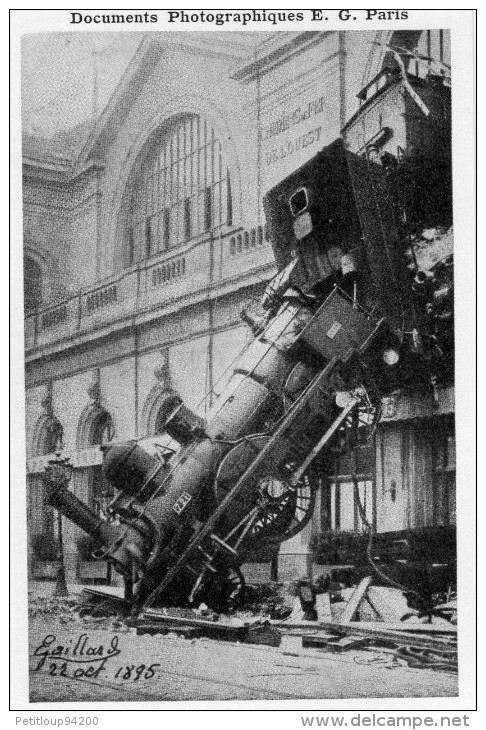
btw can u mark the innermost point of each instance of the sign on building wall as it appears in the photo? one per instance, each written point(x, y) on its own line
point(297, 119)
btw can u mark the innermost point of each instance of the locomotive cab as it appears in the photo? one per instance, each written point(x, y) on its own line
point(333, 215)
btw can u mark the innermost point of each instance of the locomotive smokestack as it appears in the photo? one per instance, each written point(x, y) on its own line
point(59, 497)
point(121, 543)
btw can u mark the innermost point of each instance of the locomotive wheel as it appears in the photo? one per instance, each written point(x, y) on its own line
point(226, 590)
point(284, 517)
point(237, 582)
point(276, 509)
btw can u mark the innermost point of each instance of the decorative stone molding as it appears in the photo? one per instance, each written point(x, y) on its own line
point(162, 371)
point(94, 389)
point(48, 431)
point(91, 415)
point(94, 392)
point(47, 400)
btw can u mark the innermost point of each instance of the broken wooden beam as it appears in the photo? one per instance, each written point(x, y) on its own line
point(376, 631)
point(430, 629)
point(157, 621)
point(188, 632)
point(234, 631)
point(94, 602)
point(335, 644)
point(94, 595)
point(355, 599)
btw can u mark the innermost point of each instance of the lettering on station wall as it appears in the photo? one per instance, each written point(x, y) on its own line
point(292, 145)
point(279, 150)
point(286, 121)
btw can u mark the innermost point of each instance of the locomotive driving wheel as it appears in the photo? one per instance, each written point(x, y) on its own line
point(226, 589)
point(271, 508)
point(285, 509)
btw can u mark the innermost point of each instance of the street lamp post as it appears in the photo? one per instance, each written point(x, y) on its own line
point(58, 473)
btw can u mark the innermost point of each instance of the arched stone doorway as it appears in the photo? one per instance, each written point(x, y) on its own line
point(43, 540)
point(96, 429)
point(152, 410)
point(150, 422)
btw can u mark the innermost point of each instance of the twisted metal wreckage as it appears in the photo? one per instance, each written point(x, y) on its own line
point(345, 321)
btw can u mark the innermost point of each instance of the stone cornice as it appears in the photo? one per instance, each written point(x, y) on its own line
point(215, 47)
point(47, 171)
point(276, 53)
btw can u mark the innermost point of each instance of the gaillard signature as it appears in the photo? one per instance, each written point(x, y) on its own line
point(81, 657)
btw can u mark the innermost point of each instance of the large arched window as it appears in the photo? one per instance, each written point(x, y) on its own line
point(180, 189)
point(32, 284)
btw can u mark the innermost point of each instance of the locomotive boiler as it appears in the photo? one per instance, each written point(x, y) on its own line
point(339, 326)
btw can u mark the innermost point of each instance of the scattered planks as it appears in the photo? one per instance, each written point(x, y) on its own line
point(188, 632)
point(335, 644)
point(421, 643)
point(157, 621)
point(103, 603)
point(421, 637)
point(334, 636)
point(336, 626)
point(447, 631)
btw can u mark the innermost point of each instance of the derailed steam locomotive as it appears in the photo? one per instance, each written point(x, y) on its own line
point(343, 323)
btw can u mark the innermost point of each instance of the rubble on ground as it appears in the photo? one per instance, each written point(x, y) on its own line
point(363, 617)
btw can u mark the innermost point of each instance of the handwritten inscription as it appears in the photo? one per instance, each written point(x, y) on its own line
point(292, 119)
point(292, 145)
point(81, 658)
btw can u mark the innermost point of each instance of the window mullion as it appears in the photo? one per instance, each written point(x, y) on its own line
point(182, 189)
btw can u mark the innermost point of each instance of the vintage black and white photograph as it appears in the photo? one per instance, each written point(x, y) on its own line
point(240, 442)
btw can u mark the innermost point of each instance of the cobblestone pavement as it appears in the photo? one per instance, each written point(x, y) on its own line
point(201, 669)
